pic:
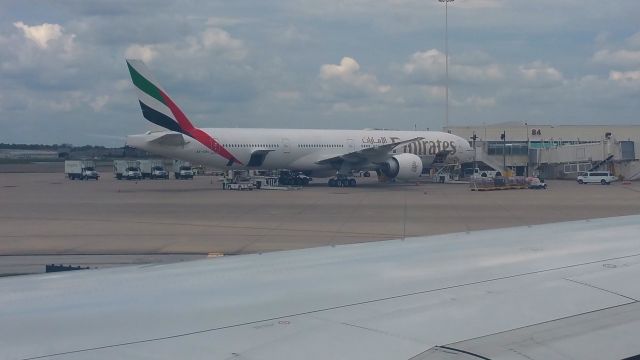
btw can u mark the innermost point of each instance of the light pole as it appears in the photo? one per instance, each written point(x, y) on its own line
point(503, 136)
point(528, 141)
point(474, 138)
point(446, 61)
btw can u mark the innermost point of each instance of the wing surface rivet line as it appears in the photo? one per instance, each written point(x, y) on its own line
point(464, 352)
point(601, 289)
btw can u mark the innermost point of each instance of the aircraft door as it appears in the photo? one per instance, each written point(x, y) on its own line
point(215, 145)
point(286, 146)
point(350, 146)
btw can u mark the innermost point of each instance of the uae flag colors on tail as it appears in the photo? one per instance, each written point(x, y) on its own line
point(158, 108)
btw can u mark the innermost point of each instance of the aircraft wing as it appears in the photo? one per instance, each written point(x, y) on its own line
point(556, 291)
point(374, 153)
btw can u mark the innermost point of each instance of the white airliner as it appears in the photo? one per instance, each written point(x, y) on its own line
point(547, 292)
point(396, 154)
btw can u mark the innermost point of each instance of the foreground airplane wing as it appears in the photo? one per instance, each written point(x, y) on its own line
point(370, 154)
point(556, 291)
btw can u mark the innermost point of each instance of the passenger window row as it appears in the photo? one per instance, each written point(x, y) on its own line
point(273, 146)
point(320, 146)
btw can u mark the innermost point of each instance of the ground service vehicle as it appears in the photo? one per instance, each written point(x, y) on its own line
point(486, 173)
point(80, 169)
point(537, 183)
point(182, 170)
point(158, 172)
point(596, 177)
point(127, 169)
point(133, 173)
point(153, 169)
point(293, 178)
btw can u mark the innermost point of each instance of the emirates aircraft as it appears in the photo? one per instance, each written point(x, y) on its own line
point(400, 155)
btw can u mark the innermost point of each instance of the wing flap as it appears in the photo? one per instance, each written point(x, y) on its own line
point(605, 334)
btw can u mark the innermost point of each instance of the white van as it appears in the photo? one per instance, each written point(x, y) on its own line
point(602, 177)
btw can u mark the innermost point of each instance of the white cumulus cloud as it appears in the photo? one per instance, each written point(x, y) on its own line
point(46, 37)
point(145, 53)
point(219, 39)
point(40, 34)
point(347, 73)
point(429, 63)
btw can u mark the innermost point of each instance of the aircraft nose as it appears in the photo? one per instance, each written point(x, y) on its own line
point(465, 153)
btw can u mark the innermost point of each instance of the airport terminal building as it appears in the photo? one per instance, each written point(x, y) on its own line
point(555, 151)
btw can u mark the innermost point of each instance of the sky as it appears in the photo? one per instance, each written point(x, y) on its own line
point(315, 64)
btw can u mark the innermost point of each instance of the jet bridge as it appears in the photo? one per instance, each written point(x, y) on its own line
point(567, 161)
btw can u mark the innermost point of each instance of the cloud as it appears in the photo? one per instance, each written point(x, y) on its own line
point(347, 76)
point(346, 107)
point(209, 41)
point(292, 35)
point(479, 4)
point(48, 37)
point(288, 95)
point(221, 21)
point(476, 101)
point(219, 40)
point(625, 76)
point(540, 72)
point(435, 92)
point(44, 57)
point(430, 66)
point(617, 58)
point(258, 63)
point(99, 102)
point(634, 40)
point(40, 34)
point(145, 53)
point(430, 63)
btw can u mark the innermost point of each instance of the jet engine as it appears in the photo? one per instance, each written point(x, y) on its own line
point(402, 167)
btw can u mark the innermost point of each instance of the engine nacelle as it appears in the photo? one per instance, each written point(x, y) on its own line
point(402, 167)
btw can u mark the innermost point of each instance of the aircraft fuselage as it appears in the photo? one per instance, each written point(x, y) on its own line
point(300, 149)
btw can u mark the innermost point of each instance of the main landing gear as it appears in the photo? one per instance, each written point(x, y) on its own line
point(342, 182)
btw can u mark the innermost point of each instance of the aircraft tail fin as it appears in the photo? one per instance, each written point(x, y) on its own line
point(158, 108)
point(156, 105)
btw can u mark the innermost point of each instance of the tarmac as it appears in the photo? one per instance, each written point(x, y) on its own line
point(45, 218)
